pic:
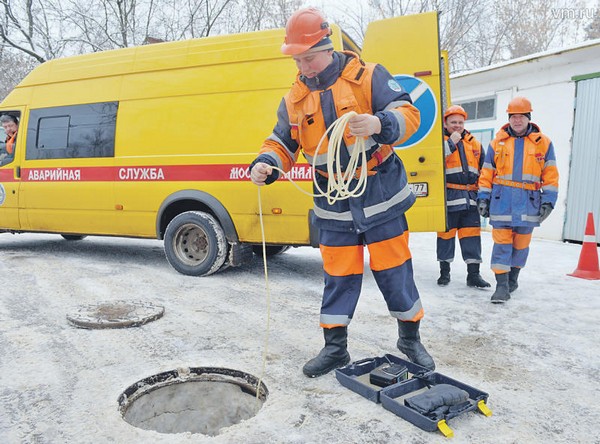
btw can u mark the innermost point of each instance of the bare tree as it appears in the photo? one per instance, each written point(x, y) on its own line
point(108, 24)
point(254, 15)
point(459, 30)
point(14, 66)
point(592, 30)
point(32, 27)
point(476, 33)
point(533, 25)
point(53, 28)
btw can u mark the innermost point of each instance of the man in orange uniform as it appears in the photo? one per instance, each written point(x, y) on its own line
point(10, 124)
point(464, 160)
point(518, 189)
point(330, 84)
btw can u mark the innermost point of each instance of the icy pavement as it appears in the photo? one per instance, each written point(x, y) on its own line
point(536, 356)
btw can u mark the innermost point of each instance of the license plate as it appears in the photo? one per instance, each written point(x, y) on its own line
point(420, 189)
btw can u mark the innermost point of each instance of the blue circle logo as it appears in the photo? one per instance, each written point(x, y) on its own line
point(423, 98)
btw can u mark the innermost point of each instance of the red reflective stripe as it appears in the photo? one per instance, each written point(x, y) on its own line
point(146, 173)
point(7, 175)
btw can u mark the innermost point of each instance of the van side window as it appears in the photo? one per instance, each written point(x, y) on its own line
point(76, 131)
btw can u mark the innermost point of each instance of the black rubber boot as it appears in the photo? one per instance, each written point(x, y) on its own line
point(513, 278)
point(474, 279)
point(409, 343)
point(444, 278)
point(332, 356)
point(501, 294)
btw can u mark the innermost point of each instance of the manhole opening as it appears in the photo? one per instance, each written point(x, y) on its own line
point(198, 400)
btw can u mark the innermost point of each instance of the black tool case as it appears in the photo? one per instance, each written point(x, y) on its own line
point(355, 376)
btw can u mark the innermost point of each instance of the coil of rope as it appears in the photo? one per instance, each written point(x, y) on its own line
point(338, 181)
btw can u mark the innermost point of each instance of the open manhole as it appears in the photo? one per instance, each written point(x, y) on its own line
point(115, 314)
point(197, 399)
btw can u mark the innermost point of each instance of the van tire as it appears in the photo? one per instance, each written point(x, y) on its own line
point(195, 244)
point(72, 237)
point(271, 250)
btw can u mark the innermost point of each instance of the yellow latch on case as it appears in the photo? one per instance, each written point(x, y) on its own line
point(484, 408)
point(443, 427)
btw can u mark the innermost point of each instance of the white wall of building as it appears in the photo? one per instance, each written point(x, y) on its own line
point(546, 80)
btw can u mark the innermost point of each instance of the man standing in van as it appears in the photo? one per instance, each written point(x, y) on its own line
point(11, 127)
point(464, 159)
point(518, 189)
point(328, 85)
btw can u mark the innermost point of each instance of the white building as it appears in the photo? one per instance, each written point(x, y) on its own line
point(564, 88)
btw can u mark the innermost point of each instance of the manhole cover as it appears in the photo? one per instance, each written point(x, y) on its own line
point(197, 400)
point(115, 314)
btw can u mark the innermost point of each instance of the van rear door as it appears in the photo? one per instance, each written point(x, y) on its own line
point(408, 47)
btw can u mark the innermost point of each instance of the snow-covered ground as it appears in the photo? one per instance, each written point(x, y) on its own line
point(537, 356)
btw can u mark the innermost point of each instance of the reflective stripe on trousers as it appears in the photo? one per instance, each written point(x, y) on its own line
point(390, 262)
point(467, 224)
point(511, 248)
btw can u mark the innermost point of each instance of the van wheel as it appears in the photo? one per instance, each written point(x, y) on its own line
point(72, 237)
point(271, 250)
point(195, 244)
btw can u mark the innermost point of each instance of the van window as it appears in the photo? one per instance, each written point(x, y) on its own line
point(75, 131)
point(7, 157)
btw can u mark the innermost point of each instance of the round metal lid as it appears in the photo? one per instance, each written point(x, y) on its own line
point(115, 314)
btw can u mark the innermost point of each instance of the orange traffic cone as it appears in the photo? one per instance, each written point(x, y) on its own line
point(588, 259)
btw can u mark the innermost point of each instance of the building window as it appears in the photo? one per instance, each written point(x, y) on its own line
point(480, 109)
point(77, 131)
point(484, 136)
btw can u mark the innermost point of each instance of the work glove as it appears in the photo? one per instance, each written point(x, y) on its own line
point(545, 211)
point(483, 206)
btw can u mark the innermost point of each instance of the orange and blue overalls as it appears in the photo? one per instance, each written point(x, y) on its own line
point(519, 175)
point(463, 164)
point(376, 218)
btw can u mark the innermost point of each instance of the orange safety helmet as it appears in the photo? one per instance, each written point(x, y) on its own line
point(304, 29)
point(519, 105)
point(455, 109)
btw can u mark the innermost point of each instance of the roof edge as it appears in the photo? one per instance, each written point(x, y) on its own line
point(537, 55)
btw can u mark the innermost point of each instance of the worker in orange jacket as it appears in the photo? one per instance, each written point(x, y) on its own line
point(10, 124)
point(518, 188)
point(464, 159)
point(330, 84)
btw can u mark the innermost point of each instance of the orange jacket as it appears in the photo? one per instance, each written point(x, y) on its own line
point(10, 143)
point(463, 164)
point(518, 175)
point(313, 104)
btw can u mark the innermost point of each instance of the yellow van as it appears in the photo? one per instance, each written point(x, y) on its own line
point(155, 142)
